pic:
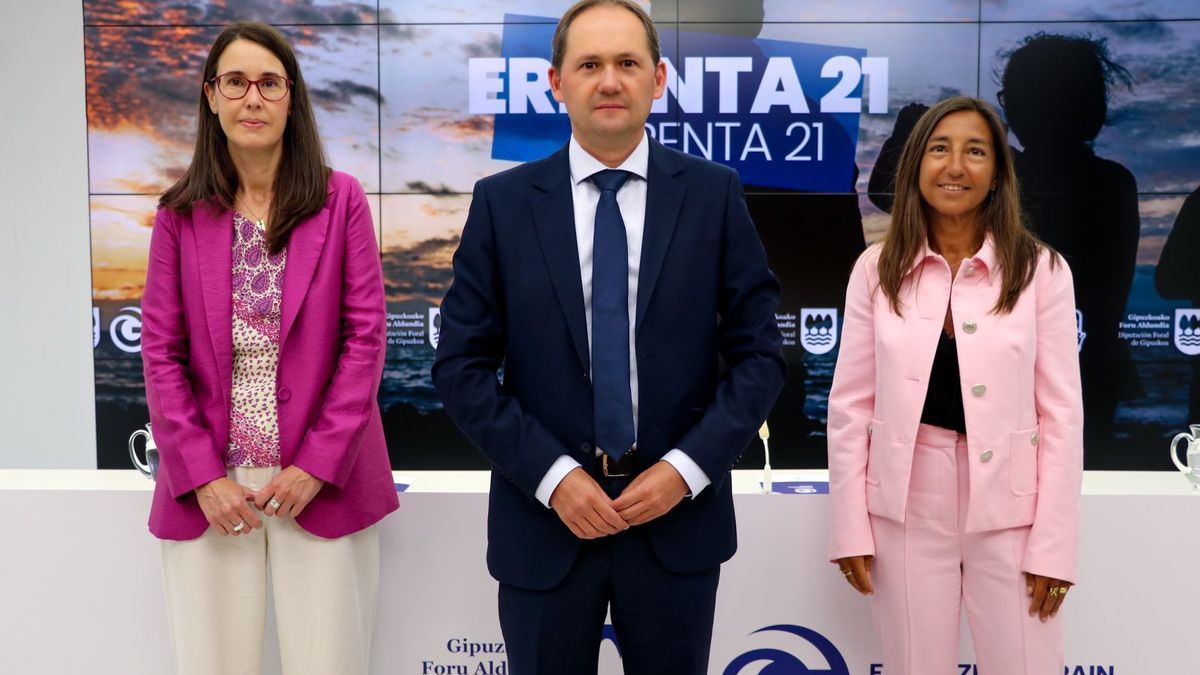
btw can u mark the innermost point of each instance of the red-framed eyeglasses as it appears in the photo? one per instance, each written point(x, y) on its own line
point(235, 86)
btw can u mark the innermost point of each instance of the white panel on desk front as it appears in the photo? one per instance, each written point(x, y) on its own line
point(80, 569)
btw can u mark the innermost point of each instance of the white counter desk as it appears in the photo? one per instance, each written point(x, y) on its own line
point(81, 588)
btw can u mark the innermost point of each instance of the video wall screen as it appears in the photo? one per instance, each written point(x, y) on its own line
point(419, 99)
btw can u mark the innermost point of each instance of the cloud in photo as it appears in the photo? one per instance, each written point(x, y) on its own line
point(1150, 124)
point(208, 12)
point(120, 233)
point(1086, 10)
point(419, 273)
point(144, 92)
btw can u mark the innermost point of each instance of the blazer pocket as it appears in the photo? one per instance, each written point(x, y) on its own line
point(1023, 462)
point(875, 442)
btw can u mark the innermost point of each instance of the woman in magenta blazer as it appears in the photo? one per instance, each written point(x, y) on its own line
point(955, 417)
point(263, 345)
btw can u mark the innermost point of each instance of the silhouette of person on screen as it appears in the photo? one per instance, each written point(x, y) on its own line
point(1178, 276)
point(1083, 205)
point(1054, 93)
point(812, 240)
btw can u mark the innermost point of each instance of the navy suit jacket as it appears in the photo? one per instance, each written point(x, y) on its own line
point(705, 296)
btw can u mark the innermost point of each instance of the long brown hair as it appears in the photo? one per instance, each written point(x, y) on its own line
point(301, 182)
point(1017, 249)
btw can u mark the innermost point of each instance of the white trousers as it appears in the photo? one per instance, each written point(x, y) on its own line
point(927, 568)
point(324, 590)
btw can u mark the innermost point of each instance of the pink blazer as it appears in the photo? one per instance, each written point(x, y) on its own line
point(1021, 397)
point(332, 337)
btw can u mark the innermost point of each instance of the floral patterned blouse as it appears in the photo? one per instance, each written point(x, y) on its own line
point(257, 295)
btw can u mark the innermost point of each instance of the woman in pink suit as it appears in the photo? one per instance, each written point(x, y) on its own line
point(263, 345)
point(955, 417)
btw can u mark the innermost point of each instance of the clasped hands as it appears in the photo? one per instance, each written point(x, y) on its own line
point(226, 504)
point(589, 513)
point(1046, 593)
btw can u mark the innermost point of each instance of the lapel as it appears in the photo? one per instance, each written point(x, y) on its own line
point(212, 232)
point(554, 219)
point(303, 252)
point(664, 198)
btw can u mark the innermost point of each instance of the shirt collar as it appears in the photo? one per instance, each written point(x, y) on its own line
point(985, 256)
point(584, 166)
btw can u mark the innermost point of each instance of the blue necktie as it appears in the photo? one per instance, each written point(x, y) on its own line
point(613, 407)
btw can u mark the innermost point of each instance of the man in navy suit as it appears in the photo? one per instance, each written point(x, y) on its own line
point(610, 281)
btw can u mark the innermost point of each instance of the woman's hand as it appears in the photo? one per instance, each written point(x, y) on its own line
point(857, 570)
point(1048, 595)
point(288, 493)
point(224, 504)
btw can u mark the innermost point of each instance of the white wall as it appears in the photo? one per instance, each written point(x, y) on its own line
point(47, 410)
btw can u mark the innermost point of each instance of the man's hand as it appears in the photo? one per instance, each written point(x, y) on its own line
point(224, 505)
point(654, 492)
point(584, 508)
point(288, 492)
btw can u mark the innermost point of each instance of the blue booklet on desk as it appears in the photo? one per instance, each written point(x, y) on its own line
point(799, 487)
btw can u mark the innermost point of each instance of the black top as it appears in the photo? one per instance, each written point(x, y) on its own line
point(944, 402)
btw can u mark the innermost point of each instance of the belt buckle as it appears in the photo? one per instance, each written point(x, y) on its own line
point(604, 468)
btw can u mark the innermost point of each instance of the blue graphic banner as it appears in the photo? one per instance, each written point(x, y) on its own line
point(784, 114)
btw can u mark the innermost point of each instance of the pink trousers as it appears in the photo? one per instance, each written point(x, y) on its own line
point(927, 568)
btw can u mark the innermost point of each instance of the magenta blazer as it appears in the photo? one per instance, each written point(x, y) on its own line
point(1021, 396)
point(332, 338)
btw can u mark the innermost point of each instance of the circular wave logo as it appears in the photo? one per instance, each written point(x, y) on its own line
point(126, 330)
point(770, 661)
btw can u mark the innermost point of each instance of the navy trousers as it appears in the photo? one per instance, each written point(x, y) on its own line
point(663, 621)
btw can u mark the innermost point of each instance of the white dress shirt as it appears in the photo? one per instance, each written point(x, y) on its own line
point(631, 200)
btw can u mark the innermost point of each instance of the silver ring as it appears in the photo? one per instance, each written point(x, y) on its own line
point(274, 504)
point(240, 526)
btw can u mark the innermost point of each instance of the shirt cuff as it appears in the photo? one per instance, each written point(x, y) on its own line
point(692, 474)
point(562, 466)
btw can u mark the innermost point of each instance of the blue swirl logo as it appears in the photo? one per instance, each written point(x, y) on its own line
point(780, 662)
